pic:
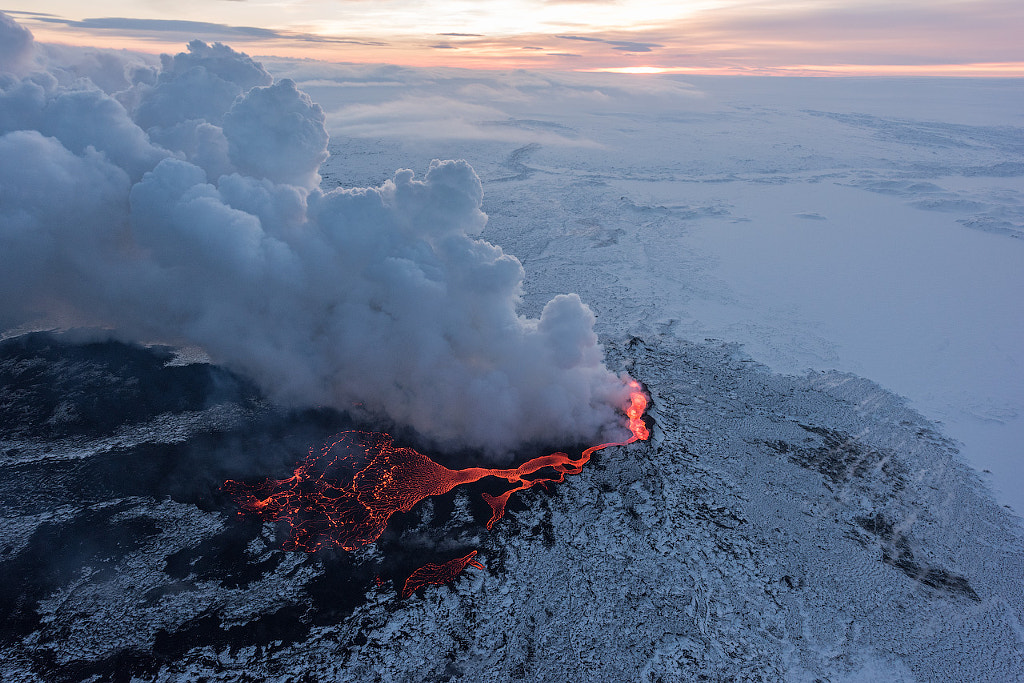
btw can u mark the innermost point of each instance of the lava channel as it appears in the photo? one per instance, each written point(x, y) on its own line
point(438, 573)
point(325, 504)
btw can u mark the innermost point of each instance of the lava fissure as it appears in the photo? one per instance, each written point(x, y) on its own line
point(438, 573)
point(324, 503)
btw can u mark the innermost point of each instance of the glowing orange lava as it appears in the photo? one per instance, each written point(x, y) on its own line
point(438, 573)
point(345, 494)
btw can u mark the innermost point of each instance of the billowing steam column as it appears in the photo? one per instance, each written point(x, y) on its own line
point(191, 213)
point(326, 505)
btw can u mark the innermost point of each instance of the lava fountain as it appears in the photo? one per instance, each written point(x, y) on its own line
point(325, 504)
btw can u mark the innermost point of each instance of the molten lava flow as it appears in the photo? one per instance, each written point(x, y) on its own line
point(324, 502)
point(334, 498)
point(438, 573)
point(562, 463)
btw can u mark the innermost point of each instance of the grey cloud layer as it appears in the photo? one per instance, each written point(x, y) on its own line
point(623, 45)
point(186, 208)
point(192, 28)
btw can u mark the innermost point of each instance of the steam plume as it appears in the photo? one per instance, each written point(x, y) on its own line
point(186, 208)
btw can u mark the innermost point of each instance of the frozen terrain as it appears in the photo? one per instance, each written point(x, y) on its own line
point(819, 283)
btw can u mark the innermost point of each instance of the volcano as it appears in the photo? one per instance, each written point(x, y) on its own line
point(331, 499)
point(816, 281)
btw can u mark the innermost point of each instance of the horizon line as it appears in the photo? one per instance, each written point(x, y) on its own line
point(841, 70)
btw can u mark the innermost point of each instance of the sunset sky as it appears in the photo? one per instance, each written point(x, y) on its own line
point(943, 37)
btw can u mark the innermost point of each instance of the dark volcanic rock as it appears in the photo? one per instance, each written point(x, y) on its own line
point(51, 388)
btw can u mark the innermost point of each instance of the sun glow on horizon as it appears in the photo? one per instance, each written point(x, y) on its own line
point(633, 70)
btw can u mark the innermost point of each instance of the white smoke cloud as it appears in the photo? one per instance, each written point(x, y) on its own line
point(61, 215)
point(186, 208)
point(112, 71)
point(199, 84)
point(16, 44)
point(277, 133)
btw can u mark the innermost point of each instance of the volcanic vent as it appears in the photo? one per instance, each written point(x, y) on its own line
point(333, 500)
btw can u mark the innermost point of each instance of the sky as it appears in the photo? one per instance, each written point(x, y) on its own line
point(778, 37)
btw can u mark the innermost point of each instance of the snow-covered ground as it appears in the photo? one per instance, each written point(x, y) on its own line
point(871, 226)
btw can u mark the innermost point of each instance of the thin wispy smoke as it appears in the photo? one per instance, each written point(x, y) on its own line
point(185, 208)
